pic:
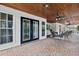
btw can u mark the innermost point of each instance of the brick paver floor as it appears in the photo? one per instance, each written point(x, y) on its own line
point(45, 47)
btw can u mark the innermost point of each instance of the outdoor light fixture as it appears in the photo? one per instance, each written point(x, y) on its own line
point(46, 5)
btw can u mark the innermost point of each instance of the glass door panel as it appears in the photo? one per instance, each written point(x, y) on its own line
point(26, 29)
point(35, 29)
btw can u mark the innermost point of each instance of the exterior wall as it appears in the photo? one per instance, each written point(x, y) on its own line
point(17, 28)
point(55, 27)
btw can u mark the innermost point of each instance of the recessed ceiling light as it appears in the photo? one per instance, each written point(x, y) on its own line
point(46, 5)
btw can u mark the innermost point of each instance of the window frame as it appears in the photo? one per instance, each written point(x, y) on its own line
point(43, 28)
point(6, 28)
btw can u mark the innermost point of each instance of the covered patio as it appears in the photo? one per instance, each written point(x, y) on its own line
point(27, 29)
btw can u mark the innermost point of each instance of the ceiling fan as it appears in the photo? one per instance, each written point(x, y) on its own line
point(60, 17)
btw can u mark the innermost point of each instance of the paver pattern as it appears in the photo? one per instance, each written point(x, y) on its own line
point(46, 47)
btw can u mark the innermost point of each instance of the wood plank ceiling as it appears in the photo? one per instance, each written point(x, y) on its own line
point(70, 11)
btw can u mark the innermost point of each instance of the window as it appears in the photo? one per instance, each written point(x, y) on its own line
point(43, 28)
point(6, 30)
point(48, 27)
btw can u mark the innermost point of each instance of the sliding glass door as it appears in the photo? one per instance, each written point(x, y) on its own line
point(29, 29)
